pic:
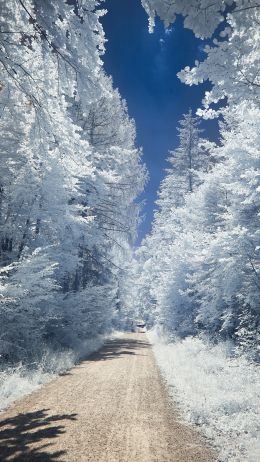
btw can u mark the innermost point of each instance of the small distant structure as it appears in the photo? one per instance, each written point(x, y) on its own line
point(140, 326)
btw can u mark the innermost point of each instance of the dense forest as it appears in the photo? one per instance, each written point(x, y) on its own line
point(71, 174)
point(199, 269)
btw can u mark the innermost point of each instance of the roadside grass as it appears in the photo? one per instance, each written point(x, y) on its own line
point(22, 379)
point(216, 391)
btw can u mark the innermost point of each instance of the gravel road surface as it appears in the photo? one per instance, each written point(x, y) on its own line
point(113, 407)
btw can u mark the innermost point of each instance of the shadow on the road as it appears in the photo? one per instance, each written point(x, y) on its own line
point(119, 347)
point(20, 433)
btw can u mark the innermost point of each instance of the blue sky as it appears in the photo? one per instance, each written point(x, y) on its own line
point(144, 67)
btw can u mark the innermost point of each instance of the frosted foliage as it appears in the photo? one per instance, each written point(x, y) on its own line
point(21, 380)
point(228, 278)
point(219, 394)
point(201, 260)
point(185, 164)
point(232, 62)
point(202, 16)
point(197, 273)
point(70, 174)
point(160, 255)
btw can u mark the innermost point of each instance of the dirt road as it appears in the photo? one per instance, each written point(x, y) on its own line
point(111, 408)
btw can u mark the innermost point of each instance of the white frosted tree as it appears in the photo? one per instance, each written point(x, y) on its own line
point(226, 281)
point(232, 62)
point(66, 198)
point(206, 269)
point(186, 161)
point(162, 257)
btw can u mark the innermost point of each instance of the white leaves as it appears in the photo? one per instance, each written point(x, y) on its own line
point(201, 262)
point(69, 176)
point(232, 63)
point(202, 16)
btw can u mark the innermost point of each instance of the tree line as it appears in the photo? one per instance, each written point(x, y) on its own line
point(70, 174)
point(198, 271)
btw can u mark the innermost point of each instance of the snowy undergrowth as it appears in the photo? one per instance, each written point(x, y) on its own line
point(16, 382)
point(218, 393)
